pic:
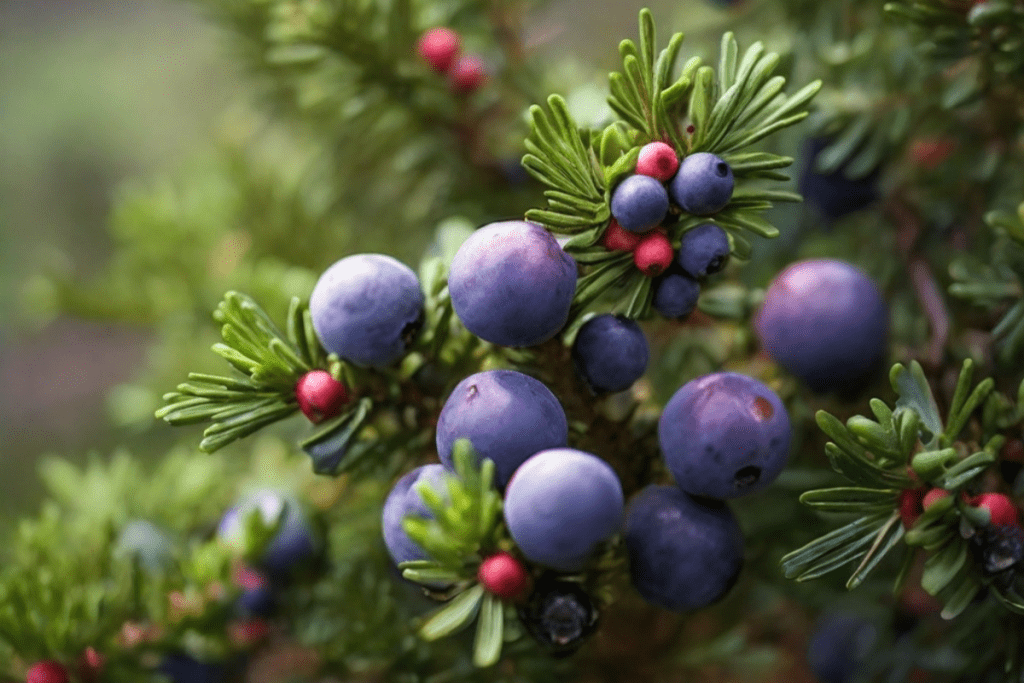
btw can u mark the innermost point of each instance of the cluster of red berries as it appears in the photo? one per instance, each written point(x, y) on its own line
point(441, 48)
point(913, 502)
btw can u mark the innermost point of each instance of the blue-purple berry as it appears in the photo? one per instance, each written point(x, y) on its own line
point(724, 435)
point(826, 322)
point(703, 184)
point(295, 542)
point(675, 295)
point(703, 251)
point(839, 646)
point(684, 553)
point(405, 500)
point(183, 668)
point(834, 194)
point(610, 352)
point(639, 203)
point(507, 417)
point(366, 308)
point(512, 284)
point(560, 505)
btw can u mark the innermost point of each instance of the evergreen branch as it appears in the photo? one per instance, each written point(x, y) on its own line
point(835, 549)
point(329, 446)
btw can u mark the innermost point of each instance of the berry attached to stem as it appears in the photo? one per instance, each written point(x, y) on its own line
point(504, 577)
point(617, 238)
point(911, 506)
point(1002, 510)
point(439, 47)
point(654, 254)
point(320, 396)
point(47, 671)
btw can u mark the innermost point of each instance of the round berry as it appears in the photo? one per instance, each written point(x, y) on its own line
point(182, 668)
point(511, 284)
point(932, 497)
point(684, 554)
point(639, 203)
point(703, 184)
point(704, 250)
point(439, 47)
point(657, 160)
point(366, 308)
point(506, 415)
point(617, 238)
point(675, 295)
point(47, 671)
point(404, 500)
point(560, 615)
point(826, 322)
point(504, 577)
point(654, 254)
point(320, 396)
point(468, 74)
point(839, 645)
point(833, 194)
point(1002, 510)
point(610, 352)
point(295, 542)
point(724, 435)
point(560, 505)
point(146, 542)
point(910, 506)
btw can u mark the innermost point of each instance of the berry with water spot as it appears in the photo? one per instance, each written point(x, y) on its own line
point(47, 671)
point(654, 254)
point(439, 47)
point(617, 238)
point(503, 576)
point(320, 396)
point(657, 160)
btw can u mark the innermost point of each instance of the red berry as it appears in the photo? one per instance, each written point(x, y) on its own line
point(1002, 510)
point(47, 671)
point(911, 506)
point(249, 579)
point(439, 47)
point(90, 665)
point(657, 160)
point(933, 496)
point(504, 577)
point(320, 396)
point(468, 74)
point(654, 254)
point(617, 238)
point(930, 152)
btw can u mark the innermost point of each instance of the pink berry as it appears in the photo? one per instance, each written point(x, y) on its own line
point(617, 238)
point(468, 74)
point(657, 160)
point(1002, 510)
point(654, 254)
point(910, 506)
point(47, 671)
point(320, 396)
point(504, 577)
point(439, 47)
point(90, 665)
point(933, 496)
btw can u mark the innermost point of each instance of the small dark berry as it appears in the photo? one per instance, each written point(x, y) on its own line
point(703, 185)
point(675, 295)
point(839, 646)
point(704, 250)
point(654, 254)
point(639, 203)
point(560, 615)
point(320, 396)
point(439, 47)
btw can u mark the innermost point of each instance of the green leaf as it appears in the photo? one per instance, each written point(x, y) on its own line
point(942, 567)
point(454, 616)
point(489, 632)
point(851, 499)
point(834, 549)
point(328, 447)
point(961, 598)
point(915, 394)
point(888, 537)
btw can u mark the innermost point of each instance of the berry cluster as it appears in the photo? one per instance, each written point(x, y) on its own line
point(441, 49)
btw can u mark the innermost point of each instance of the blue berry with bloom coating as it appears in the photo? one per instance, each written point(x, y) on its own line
point(404, 500)
point(703, 184)
point(684, 553)
point(675, 295)
point(506, 415)
point(840, 644)
point(611, 352)
point(512, 284)
point(833, 194)
point(704, 250)
point(295, 542)
point(560, 504)
point(724, 435)
point(366, 308)
point(639, 203)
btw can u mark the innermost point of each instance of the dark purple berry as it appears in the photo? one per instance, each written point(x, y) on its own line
point(833, 194)
point(684, 553)
point(703, 185)
point(295, 542)
point(675, 295)
point(182, 668)
point(704, 250)
point(639, 203)
point(840, 644)
point(405, 500)
point(610, 352)
point(560, 615)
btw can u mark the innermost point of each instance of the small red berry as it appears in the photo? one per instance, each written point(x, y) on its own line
point(320, 396)
point(1002, 510)
point(468, 74)
point(249, 579)
point(617, 238)
point(911, 506)
point(657, 160)
point(439, 47)
point(47, 671)
point(90, 665)
point(654, 254)
point(932, 496)
point(504, 577)
point(931, 152)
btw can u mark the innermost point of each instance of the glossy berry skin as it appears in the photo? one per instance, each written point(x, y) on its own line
point(724, 435)
point(559, 615)
point(467, 75)
point(560, 505)
point(366, 307)
point(320, 396)
point(703, 185)
point(404, 500)
point(654, 254)
point(439, 47)
point(840, 644)
point(675, 295)
point(47, 671)
point(504, 576)
point(703, 250)
point(1002, 510)
point(610, 352)
point(506, 415)
point(639, 203)
point(511, 284)
point(832, 194)
point(295, 543)
point(146, 542)
point(617, 238)
point(826, 322)
point(657, 160)
point(684, 553)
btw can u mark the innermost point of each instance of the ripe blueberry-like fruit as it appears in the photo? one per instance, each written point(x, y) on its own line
point(684, 554)
point(47, 671)
point(999, 548)
point(560, 505)
point(146, 542)
point(439, 47)
point(704, 250)
point(506, 415)
point(183, 668)
point(504, 576)
point(1002, 510)
point(511, 284)
point(703, 184)
point(560, 615)
point(295, 541)
point(826, 322)
point(839, 645)
point(320, 396)
point(467, 74)
point(724, 435)
point(657, 160)
point(654, 254)
point(833, 194)
point(366, 307)
point(404, 500)
point(617, 238)
point(675, 295)
point(610, 352)
point(639, 203)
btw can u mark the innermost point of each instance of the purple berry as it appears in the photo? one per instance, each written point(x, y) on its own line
point(724, 435)
point(833, 194)
point(684, 553)
point(559, 615)
point(675, 295)
point(366, 308)
point(404, 500)
point(295, 541)
point(506, 415)
point(639, 203)
point(839, 645)
point(704, 250)
point(183, 668)
point(511, 284)
point(826, 322)
point(560, 505)
point(702, 185)
point(610, 352)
